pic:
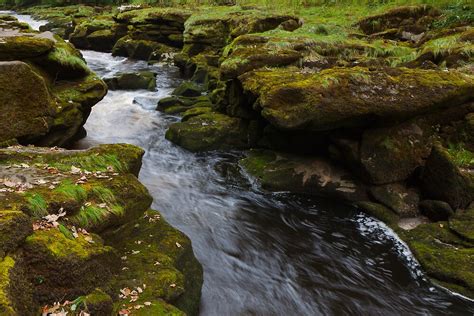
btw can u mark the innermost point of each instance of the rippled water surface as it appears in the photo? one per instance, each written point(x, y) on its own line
point(262, 253)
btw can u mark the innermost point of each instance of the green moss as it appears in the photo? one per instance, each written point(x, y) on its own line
point(56, 244)
point(90, 163)
point(37, 205)
point(6, 265)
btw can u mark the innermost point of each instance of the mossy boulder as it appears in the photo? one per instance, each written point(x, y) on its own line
point(48, 92)
point(99, 34)
point(443, 180)
point(15, 226)
point(210, 131)
point(140, 49)
point(15, 45)
point(400, 199)
point(60, 267)
point(463, 223)
point(249, 52)
point(133, 81)
point(98, 303)
point(445, 257)
point(26, 102)
point(379, 211)
point(316, 176)
point(436, 210)
point(187, 89)
point(349, 97)
point(157, 255)
point(413, 19)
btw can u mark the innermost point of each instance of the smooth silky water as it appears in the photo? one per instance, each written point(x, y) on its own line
point(262, 253)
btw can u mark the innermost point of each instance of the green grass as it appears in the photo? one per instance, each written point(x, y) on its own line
point(72, 190)
point(461, 156)
point(37, 205)
point(89, 162)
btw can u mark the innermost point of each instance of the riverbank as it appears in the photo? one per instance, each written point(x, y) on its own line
point(266, 108)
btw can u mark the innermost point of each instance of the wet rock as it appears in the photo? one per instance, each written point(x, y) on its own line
point(210, 131)
point(184, 103)
point(397, 197)
point(316, 176)
point(16, 45)
point(133, 81)
point(443, 180)
point(378, 211)
point(187, 89)
point(436, 210)
point(444, 256)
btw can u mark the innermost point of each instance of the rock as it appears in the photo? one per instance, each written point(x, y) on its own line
point(378, 211)
point(211, 131)
point(63, 268)
point(63, 62)
point(392, 154)
point(187, 89)
point(139, 49)
point(133, 81)
point(177, 276)
point(48, 91)
point(436, 210)
point(196, 111)
point(98, 303)
point(249, 52)
point(172, 101)
point(27, 107)
point(15, 45)
point(443, 180)
point(444, 256)
point(403, 201)
point(463, 224)
point(414, 19)
point(99, 34)
point(291, 99)
point(316, 176)
point(80, 192)
point(15, 226)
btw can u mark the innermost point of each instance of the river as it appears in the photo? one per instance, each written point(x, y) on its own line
point(262, 253)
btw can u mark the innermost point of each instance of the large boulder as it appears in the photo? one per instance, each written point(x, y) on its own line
point(348, 97)
point(27, 106)
point(47, 91)
point(211, 131)
point(444, 180)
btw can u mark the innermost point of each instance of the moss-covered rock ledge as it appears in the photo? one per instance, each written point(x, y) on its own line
point(46, 88)
point(76, 228)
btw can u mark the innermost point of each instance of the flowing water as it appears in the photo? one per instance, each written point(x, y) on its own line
point(262, 253)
